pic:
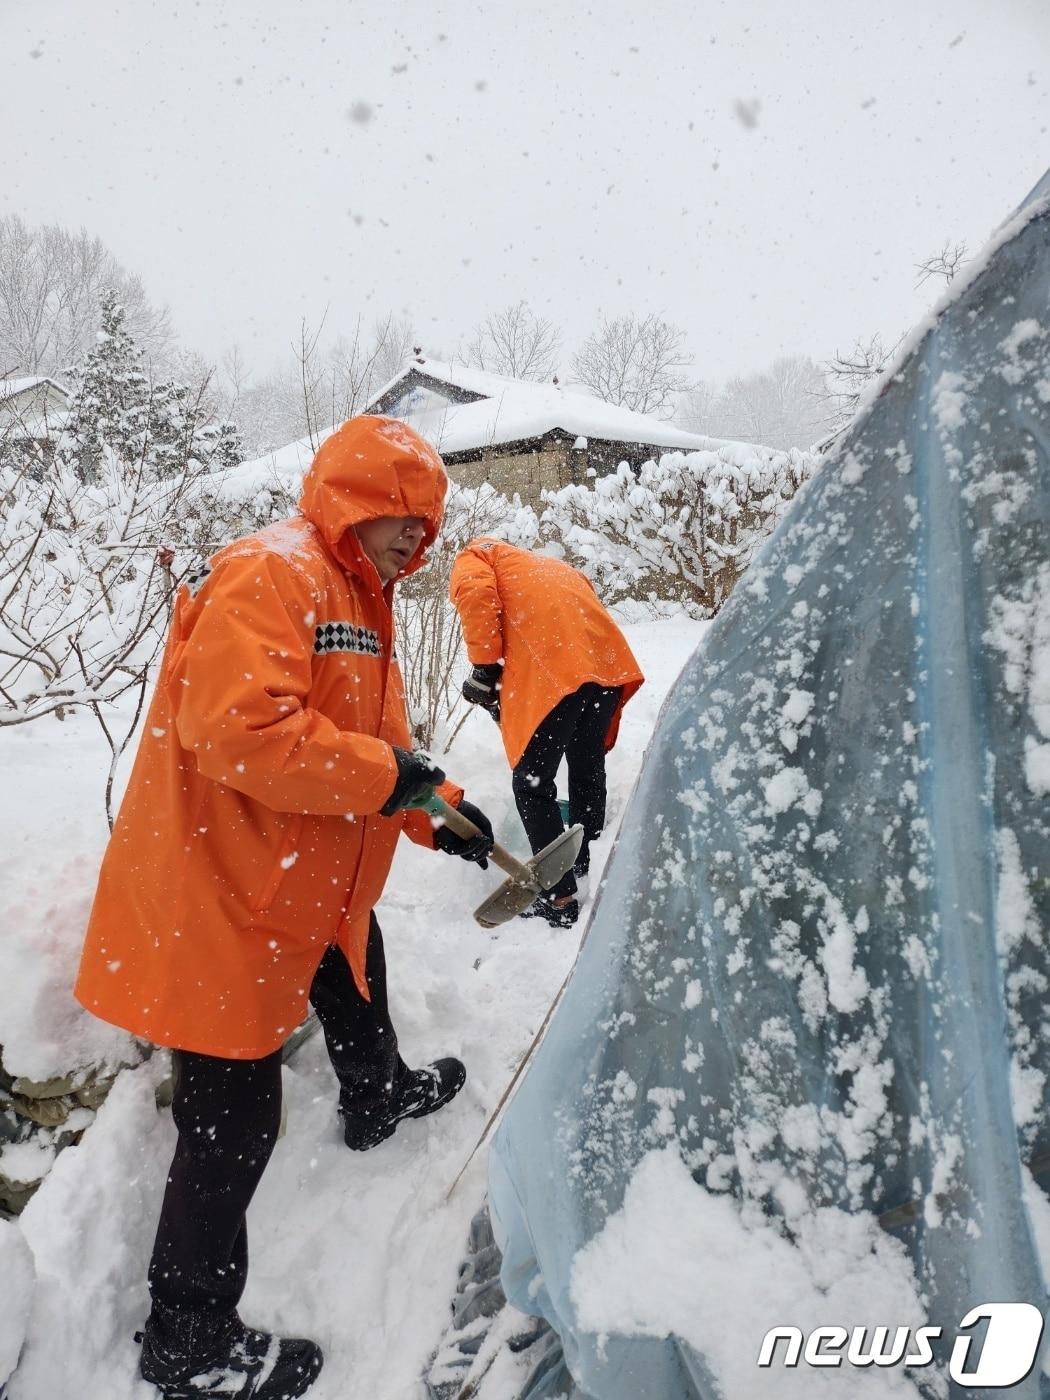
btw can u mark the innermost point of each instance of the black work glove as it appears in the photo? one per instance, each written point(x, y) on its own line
point(417, 777)
point(469, 848)
point(482, 687)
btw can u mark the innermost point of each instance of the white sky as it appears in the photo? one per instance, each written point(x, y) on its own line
point(588, 157)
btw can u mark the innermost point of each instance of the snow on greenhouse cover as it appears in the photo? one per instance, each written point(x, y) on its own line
point(679, 1260)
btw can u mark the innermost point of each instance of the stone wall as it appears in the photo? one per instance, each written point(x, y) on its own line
point(38, 1120)
point(552, 466)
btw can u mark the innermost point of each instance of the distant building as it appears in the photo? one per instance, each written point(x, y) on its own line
point(519, 435)
point(33, 413)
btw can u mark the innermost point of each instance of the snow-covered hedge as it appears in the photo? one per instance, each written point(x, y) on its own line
point(682, 529)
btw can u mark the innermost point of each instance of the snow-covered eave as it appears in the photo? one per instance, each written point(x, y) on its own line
point(559, 433)
point(13, 388)
point(479, 384)
point(420, 374)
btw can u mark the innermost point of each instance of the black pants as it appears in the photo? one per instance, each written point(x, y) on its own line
point(228, 1114)
point(575, 729)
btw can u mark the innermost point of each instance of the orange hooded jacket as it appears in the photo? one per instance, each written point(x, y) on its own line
point(542, 619)
point(249, 837)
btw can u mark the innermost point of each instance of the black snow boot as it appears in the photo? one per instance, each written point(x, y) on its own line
point(237, 1361)
point(417, 1093)
point(557, 915)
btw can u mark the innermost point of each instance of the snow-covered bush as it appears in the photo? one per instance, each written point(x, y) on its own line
point(87, 539)
point(681, 529)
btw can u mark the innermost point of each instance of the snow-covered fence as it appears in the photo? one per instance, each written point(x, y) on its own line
point(682, 529)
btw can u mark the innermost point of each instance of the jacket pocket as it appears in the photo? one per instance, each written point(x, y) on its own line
point(288, 853)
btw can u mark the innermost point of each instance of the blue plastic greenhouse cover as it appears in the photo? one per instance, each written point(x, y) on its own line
point(817, 972)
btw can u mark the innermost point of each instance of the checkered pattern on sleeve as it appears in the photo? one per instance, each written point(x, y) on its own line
point(346, 636)
point(195, 581)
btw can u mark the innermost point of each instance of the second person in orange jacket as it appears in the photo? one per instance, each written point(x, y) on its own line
point(551, 665)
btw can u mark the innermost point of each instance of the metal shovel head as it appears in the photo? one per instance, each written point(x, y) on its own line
point(546, 867)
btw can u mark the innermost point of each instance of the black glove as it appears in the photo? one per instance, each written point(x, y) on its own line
point(482, 687)
point(468, 847)
point(417, 777)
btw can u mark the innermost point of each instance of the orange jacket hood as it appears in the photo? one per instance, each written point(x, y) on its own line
point(368, 468)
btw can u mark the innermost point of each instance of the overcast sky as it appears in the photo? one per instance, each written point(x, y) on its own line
point(765, 175)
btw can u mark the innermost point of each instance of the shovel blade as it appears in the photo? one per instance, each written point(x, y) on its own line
point(550, 864)
point(547, 867)
point(505, 903)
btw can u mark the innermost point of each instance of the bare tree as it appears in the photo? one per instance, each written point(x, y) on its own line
point(236, 373)
point(199, 375)
point(515, 342)
point(359, 364)
point(319, 386)
point(394, 337)
point(698, 408)
point(312, 380)
point(945, 263)
point(848, 376)
point(781, 406)
point(639, 363)
point(51, 284)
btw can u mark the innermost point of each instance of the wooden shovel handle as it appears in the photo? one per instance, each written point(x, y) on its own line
point(462, 826)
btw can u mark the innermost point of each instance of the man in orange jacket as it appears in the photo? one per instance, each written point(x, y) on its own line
point(273, 778)
point(553, 668)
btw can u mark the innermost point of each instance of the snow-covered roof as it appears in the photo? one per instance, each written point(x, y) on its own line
point(284, 467)
point(505, 411)
point(11, 388)
point(514, 410)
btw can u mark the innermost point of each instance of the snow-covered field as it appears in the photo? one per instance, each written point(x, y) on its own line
point(356, 1251)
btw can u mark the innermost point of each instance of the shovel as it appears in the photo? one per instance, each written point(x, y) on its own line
point(527, 878)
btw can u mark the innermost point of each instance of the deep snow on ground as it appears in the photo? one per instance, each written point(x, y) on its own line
point(357, 1251)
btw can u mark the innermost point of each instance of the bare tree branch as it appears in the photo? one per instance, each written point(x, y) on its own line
point(51, 283)
point(945, 263)
point(639, 363)
point(515, 342)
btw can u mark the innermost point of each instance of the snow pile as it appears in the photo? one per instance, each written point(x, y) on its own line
point(16, 1269)
point(94, 1222)
point(49, 858)
point(676, 1260)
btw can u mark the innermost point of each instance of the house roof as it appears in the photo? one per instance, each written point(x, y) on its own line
point(501, 410)
point(11, 388)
